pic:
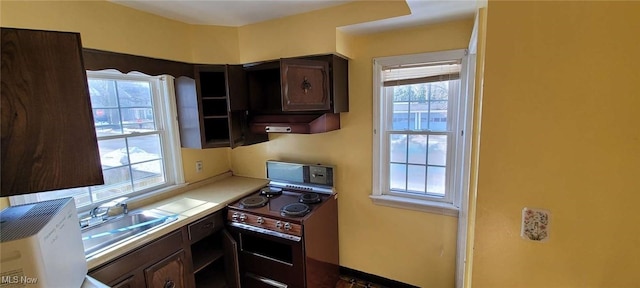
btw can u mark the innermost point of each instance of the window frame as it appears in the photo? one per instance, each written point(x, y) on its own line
point(164, 106)
point(458, 148)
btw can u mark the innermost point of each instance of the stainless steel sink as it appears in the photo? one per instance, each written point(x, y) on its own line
point(98, 237)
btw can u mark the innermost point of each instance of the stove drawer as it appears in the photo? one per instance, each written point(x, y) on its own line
point(269, 256)
point(257, 281)
point(291, 275)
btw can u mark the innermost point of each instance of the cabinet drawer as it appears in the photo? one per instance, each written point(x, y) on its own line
point(205, 226)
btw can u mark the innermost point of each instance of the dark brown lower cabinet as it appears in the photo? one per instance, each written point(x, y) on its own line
point(168, 273)
point(201, 254)
point(142, 267)
point(127, 283)
point(214, 256)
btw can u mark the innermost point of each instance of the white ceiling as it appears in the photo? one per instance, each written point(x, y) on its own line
point(227, 12)
point(422, 12)
point(242, 12)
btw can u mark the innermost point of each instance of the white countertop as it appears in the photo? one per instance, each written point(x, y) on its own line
point(190, 204)
point(92, 283)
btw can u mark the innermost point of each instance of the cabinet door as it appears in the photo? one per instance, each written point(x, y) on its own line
point(240, 133)
point(305, 85)
point(168, 273)
point(231, 266)
point(48, 137)
point(238, 104)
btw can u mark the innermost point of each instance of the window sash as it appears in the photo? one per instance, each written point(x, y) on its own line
point(387, 93)
point(447, 166)
point(159, 130)
point(383, 115)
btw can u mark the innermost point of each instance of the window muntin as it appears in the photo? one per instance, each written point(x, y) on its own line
point(135, 139)
point(418, 121)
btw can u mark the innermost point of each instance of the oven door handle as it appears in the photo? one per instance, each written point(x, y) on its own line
point(267, 281)
point(265, 231)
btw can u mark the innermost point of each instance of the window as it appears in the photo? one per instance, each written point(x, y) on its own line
point(420, 118)
point(137, 138)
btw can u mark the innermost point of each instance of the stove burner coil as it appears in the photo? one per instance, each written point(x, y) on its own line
point(309, 198)
point(270, 191)
point(254, 201)
point(295, 209)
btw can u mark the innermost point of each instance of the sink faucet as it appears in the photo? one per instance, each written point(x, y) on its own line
point(102, 211)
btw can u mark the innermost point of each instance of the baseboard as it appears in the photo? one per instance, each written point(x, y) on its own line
point(348, 272)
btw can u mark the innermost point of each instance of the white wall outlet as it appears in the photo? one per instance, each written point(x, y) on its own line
point(198, 166)
point(535, 224)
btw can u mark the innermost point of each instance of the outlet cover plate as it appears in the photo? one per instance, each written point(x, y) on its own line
point(535, 224)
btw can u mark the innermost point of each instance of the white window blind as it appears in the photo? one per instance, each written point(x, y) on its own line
point(420, 73)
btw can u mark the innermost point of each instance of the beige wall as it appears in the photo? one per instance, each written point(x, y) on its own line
point(4, 202)
point(560, 131)
point(103, 25)
point(408, 246)
point(310, 33)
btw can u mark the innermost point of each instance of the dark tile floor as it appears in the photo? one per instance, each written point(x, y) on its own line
point(349, 282)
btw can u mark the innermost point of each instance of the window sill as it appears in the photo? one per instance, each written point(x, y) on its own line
point(416, 204)
point(139, 200)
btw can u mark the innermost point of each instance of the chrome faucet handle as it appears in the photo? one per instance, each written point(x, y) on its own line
point(99, 212)
point(122, 202)
point(103, 210)
point(125, 208)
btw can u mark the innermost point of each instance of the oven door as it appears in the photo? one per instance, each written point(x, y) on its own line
point(268, 258)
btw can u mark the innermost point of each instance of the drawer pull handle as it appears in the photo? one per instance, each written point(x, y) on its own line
point(277, 129)
point(169, 284)
point(306, 86)
point(267, 281)
point(207, 226)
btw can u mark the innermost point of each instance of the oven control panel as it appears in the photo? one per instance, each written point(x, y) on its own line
point(267, 223)
point(321, 175)
point(296, 173)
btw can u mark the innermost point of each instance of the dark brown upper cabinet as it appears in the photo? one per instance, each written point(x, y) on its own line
point(48, 138)
point(96, 60)
point(212, 108)
point(305, 85)
point(298, 95)
point(236, 105)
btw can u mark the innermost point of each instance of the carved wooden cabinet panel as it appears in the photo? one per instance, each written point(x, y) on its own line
point(305, 85)
point(168, 273)
point(48, 138)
